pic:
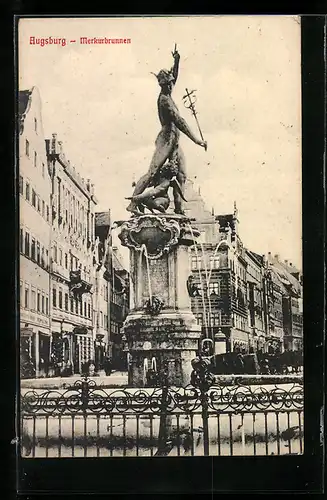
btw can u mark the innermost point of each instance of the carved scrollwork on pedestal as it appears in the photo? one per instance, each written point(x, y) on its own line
point(153, 234)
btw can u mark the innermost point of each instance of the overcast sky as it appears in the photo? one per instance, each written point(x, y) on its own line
point(102, 102)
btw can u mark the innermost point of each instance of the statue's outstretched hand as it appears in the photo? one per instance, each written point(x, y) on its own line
point(175, 52)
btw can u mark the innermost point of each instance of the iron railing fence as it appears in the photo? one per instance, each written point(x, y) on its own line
point(200, 419)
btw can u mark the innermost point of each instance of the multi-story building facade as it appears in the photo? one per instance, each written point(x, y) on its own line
point(292, 314)
point(243, 300)
point(119, 307)
point(219, 274)
point(70, 276)
point(274, 311)
point(113, 302)
point(102, 288)
point(34, 241)
point(256, 299)
point(72, 306)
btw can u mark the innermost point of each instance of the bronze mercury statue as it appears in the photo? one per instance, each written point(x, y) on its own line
point(167, 142)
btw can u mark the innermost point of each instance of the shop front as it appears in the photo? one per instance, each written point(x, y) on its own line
point(72, 348)
point(82, 349)
point(239, 340)
point(61, 364)
point(35, 340)
point(27, 353)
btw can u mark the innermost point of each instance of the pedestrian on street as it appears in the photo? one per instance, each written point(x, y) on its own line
point(107, 365)
point(91, 368)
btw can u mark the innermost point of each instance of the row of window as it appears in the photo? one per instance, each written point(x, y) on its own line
point(252, 271)
point(31, 196)
point(255, 298)
point(297, 318)
point(74, 213)
point(213, 319)
point(34, 299)
point(68, 260)
point(240, 271)
point(212, 290)
point(278, 315)
point(74, 305)
point(38, 301)
point(239, 322)
point(216, 262)
point(103, 320)
point(198, 262)
point(114, 327)
point(104, 291)
point(34, 156)
point(32, 248)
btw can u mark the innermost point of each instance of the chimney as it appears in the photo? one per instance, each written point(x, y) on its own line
point(88, 181)
point(286, 261)
point(291, 264)
point(276, 257)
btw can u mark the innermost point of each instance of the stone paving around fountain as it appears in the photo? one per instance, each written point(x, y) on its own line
point(116, 379)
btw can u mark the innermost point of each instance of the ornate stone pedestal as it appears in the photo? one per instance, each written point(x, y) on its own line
point(160, 326)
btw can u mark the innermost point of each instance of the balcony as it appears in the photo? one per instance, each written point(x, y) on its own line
point(77, 285)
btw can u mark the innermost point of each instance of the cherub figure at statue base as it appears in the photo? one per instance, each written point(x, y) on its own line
point(155, 197)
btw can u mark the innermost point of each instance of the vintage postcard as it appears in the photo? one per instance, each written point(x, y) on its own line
point(160, 236)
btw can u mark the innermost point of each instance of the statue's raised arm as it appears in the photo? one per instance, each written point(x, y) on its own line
point(175, 68)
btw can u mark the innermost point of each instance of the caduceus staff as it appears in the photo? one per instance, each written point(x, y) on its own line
point(189, 100)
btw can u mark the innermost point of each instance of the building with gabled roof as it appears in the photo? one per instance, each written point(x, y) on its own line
point(290, 281)
point(34, 240)
point(219, 275)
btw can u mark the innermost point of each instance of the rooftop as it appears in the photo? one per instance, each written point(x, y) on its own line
point(24, 102)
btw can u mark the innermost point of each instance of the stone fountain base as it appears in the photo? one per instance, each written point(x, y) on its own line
point(160, 327)
point(172, 337)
